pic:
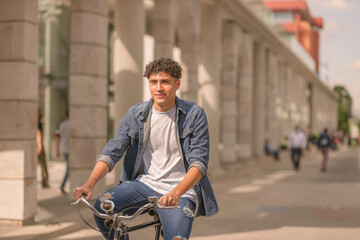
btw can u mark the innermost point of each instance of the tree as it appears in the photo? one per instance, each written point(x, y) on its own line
point(344, 108)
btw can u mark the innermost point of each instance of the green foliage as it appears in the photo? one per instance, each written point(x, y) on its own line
point(344, 108)
point(343, 118)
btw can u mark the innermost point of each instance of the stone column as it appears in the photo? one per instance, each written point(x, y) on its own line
point(259, 99)
point(294, 104)
point(310, 95)
point(88, 88)
point(317, 110)
point(272, 125)
point(188, 27)
point(232, 38)
point(295, 94)
point(128, 55)
point(280, 100)
point(18, 107)
point(163, 27)
point(245, 98)
point(302, 103)
point(128, 59)
point(288, 102)
point(209, 75)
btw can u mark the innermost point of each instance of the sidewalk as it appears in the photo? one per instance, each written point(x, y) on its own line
point(56, 217)
point(278, 203)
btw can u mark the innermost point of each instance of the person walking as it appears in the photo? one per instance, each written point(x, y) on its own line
point(297, 144)
point(324, 143)
point(166, 145)
point(62, 145)
point(41, 153)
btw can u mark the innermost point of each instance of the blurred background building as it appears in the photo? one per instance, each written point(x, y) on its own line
point(252, 65)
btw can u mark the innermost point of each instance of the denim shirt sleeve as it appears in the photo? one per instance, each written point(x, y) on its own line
point(199, 146)
point(116, 147)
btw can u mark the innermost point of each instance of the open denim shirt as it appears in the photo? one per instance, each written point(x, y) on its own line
point(193, 138)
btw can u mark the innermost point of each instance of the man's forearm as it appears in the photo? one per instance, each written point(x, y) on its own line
point(99, 171)
point(190, 179)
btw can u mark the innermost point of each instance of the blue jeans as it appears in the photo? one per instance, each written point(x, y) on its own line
point(66, 157)
point(175, 222)
point(295, 157)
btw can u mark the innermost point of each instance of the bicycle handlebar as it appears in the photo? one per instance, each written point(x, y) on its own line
point(153, 202)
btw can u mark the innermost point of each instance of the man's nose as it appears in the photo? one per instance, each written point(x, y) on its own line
point(159, 86)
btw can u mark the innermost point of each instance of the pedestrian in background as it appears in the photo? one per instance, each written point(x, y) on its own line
point(324, 143)
point(297, 144)
point(269, 151)
point(62, 145)
point(41, 153)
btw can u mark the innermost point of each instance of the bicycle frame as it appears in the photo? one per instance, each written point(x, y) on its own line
point(117, 221)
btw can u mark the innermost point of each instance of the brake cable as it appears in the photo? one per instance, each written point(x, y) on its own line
point(88, 224)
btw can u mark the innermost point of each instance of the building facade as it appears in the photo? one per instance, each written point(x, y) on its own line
point(89, 58)
point(298, 23)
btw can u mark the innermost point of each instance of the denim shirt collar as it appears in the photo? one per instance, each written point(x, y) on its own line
point(180, 105)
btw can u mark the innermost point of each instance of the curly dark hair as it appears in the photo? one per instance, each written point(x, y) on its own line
point(167, 65)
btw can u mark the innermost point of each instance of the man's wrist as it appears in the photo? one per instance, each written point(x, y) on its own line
point(88, 186)
point(176, 192)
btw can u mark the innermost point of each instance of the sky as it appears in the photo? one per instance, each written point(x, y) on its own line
point(340, 45)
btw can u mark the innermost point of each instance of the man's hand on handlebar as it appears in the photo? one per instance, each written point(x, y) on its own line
point(82, 190)
point(169, 199)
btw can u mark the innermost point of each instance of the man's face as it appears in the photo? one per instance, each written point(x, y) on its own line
point(163, 90)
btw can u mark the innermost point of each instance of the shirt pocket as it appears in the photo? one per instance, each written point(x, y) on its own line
point(185, 139)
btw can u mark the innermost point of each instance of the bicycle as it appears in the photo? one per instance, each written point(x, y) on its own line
point(117, 222)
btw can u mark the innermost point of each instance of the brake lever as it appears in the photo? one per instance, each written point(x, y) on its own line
point(77, 201)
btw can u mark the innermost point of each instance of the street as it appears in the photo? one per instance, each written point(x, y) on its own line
point(269, 200)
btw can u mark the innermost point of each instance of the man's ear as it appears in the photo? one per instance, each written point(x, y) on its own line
point(178, 82)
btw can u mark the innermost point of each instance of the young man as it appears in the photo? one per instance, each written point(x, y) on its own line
point(166, 141)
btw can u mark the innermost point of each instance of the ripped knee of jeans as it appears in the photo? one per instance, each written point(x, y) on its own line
point(179, 238)
point(188, 212)
point(106, 196)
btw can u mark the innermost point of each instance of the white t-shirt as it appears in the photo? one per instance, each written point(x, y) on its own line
point(297, 139)
point(163, 166)
point(64, 136)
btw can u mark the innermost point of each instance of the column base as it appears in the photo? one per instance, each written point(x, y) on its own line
point(9, 222)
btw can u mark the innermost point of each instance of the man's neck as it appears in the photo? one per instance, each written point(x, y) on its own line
point(163, 108)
